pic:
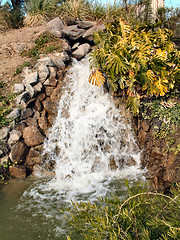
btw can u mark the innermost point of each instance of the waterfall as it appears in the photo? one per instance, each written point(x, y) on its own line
point(90, 142)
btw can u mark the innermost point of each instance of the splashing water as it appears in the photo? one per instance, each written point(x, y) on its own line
point(94, 151)
point(90, 142)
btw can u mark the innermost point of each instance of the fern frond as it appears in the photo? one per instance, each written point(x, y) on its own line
point(96, 78)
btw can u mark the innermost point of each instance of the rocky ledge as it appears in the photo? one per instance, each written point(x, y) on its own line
point(21, 143)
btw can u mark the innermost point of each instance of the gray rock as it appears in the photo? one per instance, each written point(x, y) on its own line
point(31, 90)
point(32, 136)
point(26, 71)
point(65, 45)
point(43, 72)
point(53, 72)
point(85, 24)
point(18, 88)
point(24, 96)
point(88, 35)
point(38, 87)
point(63, 55)
point(81, 51)
point(55, 26)
point(14, 137)
point(70, 21)
point(18, 153)
point(45, 61)
point(73, 32)
point(14, 114)
point(31, 79)
point(26, 113)
point(4, 133)
point(59, 63)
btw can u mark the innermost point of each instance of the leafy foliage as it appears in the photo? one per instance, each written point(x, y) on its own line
point(97, 78)
point(142, 60)
point(142, 215)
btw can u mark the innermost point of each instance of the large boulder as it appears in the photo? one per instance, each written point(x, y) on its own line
point(32, 136)
point(81, 51)
point(18, 153)
point(88, 35)
point(73, 32)
point(55, 26)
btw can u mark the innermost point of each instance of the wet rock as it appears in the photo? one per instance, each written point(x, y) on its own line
point(31, 90)
point(18, 153)
point(43, 124)
point(131, 161)
point(15, 135)
point(51, 119)
point(17, 171)
point(112, 163)
point(18, 88)
point(32, 136)
point(14, 114)
point(88, 35)
point(26, 113)
point(49, 91)
point(64, 56)
point(49, 106)
point(81, 51)
point(33, 157)
point(85, 24)
point(31, 79)
point(55, 26)
point(73, 32)
point(4, 132)
point(52, 82)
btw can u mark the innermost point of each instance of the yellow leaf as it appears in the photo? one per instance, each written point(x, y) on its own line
point(97, 78)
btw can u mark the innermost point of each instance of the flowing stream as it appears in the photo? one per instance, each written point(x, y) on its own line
point(93, 151)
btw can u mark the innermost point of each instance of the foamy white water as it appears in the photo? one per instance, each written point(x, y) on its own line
point(90, 142)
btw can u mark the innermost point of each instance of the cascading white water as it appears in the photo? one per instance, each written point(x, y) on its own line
point(90, 142)
point(94, 152)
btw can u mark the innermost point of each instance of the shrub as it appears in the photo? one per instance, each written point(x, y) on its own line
point(141, 60)
point(142, 215)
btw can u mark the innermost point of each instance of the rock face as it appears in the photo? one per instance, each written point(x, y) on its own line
point(39, 92)
point(32, 136)
point(163, 165)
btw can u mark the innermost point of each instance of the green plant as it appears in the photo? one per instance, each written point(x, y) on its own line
point(45, 43)
point(142, 215)
point(141, 60)
point(20, 67)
